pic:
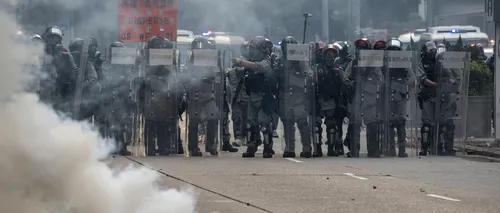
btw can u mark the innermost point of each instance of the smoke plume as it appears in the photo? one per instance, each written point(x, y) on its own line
point(50, 163)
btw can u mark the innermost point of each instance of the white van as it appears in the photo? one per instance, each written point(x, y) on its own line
point(406, 38)
point(469, 35)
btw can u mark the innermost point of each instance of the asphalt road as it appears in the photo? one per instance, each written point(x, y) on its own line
point(228, 183)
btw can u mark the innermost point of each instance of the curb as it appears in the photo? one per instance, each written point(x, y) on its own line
point(483, 151)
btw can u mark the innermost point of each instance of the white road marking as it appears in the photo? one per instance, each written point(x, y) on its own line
point(294, 160)
point(354, 176)
point(443, 197)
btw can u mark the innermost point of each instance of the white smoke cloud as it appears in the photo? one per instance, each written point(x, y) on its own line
point(50, 163)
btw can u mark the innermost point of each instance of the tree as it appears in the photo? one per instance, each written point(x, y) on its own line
point(412, 44)
point(459, 46)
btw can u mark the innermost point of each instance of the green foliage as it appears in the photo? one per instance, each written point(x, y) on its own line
point(480, 79)
point(459, 46)
point(413, 45)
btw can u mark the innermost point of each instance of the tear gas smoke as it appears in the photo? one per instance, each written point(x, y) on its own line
point(50, 163)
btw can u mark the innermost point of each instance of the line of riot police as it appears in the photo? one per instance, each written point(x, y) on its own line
point(137, 96)
point(380, 87)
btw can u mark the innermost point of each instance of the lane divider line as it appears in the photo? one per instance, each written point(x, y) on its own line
point(443, 197)
point(354, 176)
point(294, 160)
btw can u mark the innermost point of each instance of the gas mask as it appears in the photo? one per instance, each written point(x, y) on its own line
point(255, 54)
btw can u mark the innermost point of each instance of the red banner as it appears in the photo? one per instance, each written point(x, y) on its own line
point(139, 20)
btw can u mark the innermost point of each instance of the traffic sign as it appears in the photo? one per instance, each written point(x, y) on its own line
point(488, 8)
point(141, 19)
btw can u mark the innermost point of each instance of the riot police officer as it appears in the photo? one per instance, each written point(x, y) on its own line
point(344, 57)
point(259, 85)
point(202, 105)
point(363, 103)
point(434, 124)
point(331, 82)
point(60, 72)
point(159, 97)
point(118, 103)
point(397, 82)
point(239, 100)
point(292, 101)
point(92, 87)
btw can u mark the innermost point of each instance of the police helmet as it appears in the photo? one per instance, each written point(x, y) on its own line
point(341, 48)
point(262, 44)
point(441, 48)
point(36, 39)
point(428, 50)
point(53, 35)
point(76, 45)
point(380, 45)
point(362, 44)
point(330, 53)
point(394, 44)
point(287, 40)
point(212, 42)
point(117, 44)
point(201, 43)
point(158, 42)
point(319, 47)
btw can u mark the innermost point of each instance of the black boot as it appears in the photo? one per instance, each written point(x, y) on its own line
point(250, 153)
point(288, 154)
point(331, 151)
point(339, 148)
point(402, 151)
point(228, 148)
point(196, 153)
point(163, 153)
point(319, 151)
point(268, 151)
point(305, 155)
point(180, 150)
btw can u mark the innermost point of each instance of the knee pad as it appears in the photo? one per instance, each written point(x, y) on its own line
point(425, 133)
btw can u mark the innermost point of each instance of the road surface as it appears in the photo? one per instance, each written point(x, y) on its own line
point(228, 183)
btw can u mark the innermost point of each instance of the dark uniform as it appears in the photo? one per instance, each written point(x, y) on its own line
point(118, 104)
point(292, 101)
point(92, 90)
point(202, 105)
point(259, 85)
point(333, 105)
point(159, 95)
point(57, 87)
point(437, 109)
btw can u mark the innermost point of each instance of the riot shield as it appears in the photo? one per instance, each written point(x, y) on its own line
point(450, 104)
point(221, 97)
point(161, 102)
point(204, 85)
point(398, 126)
point(119, 92)
point(296, 104)
point(365, 106)
point(81, 78)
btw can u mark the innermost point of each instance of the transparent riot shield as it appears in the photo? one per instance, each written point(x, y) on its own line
point(450, 102)
point(120, 93)
point(221, 98)
point(295, 102)
point(82, 70)
point(203, 74)
point(161, 102)
point(366, 103)
point(398, 128)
